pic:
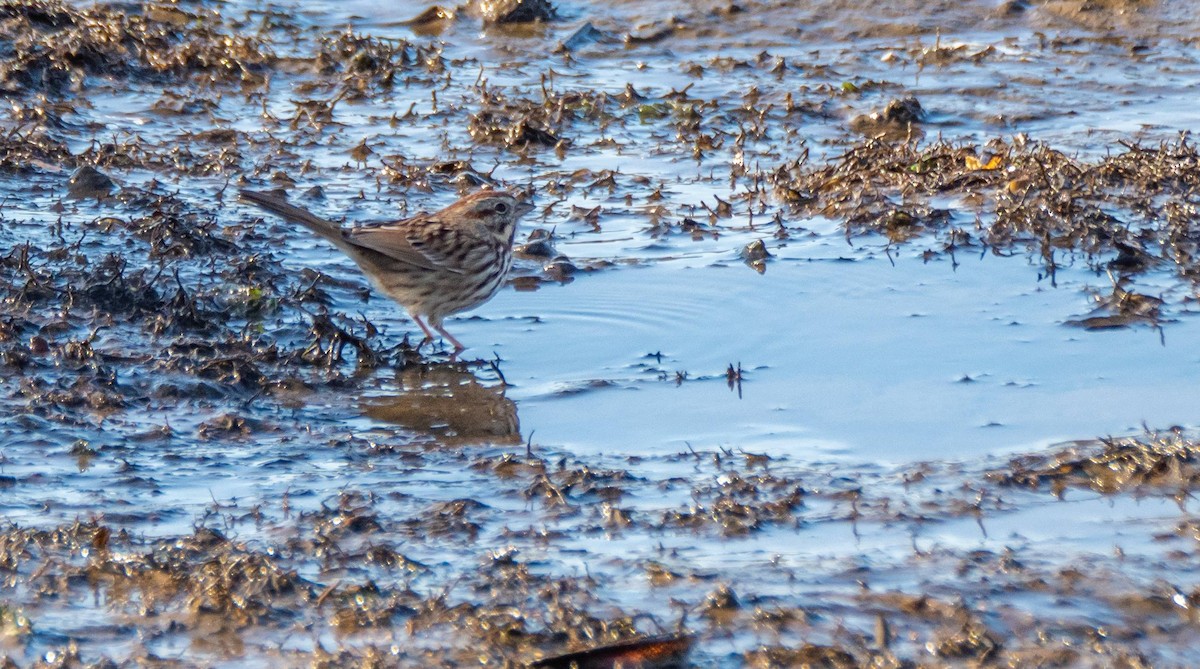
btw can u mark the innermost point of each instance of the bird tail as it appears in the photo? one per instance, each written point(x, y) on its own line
point(277, 205)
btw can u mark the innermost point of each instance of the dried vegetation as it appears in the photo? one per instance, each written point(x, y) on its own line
point(1159, 463)
point(164, 300)
point(1125, 214)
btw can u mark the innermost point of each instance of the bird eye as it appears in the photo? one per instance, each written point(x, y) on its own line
point(501, 208)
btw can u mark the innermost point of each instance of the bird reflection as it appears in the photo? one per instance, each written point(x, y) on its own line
point(451, 403)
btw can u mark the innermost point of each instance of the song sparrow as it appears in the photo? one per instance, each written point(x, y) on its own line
point(434, 264)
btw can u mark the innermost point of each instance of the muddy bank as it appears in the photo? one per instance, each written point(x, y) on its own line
point(347, 582)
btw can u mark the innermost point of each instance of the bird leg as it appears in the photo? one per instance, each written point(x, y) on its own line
point(424, 328)
point(458, 347)
point(429, 337)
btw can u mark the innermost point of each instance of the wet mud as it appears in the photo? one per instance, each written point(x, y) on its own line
point(220, 448)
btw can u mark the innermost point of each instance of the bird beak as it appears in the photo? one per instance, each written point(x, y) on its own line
point(524, 208)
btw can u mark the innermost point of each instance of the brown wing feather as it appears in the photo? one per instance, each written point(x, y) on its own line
point(393, 241)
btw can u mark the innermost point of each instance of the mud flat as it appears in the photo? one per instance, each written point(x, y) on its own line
point(842, 336)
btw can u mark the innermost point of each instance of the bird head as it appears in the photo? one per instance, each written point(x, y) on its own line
point(498, 211)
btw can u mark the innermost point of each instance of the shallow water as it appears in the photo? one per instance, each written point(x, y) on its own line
point(848, 360)
point(884, 378)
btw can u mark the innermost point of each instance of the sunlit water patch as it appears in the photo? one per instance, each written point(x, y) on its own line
point(839, 350)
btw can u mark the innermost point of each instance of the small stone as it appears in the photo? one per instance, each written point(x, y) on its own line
point(88, 182)
point(587, 34)
point(756, 250)
point(538, 248)
point(39, 345)
point(515, 11)
point(431, 15)
point(903, 110)
point(560, 269)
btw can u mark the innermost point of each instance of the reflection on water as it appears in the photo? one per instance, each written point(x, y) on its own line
point(450, 403)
